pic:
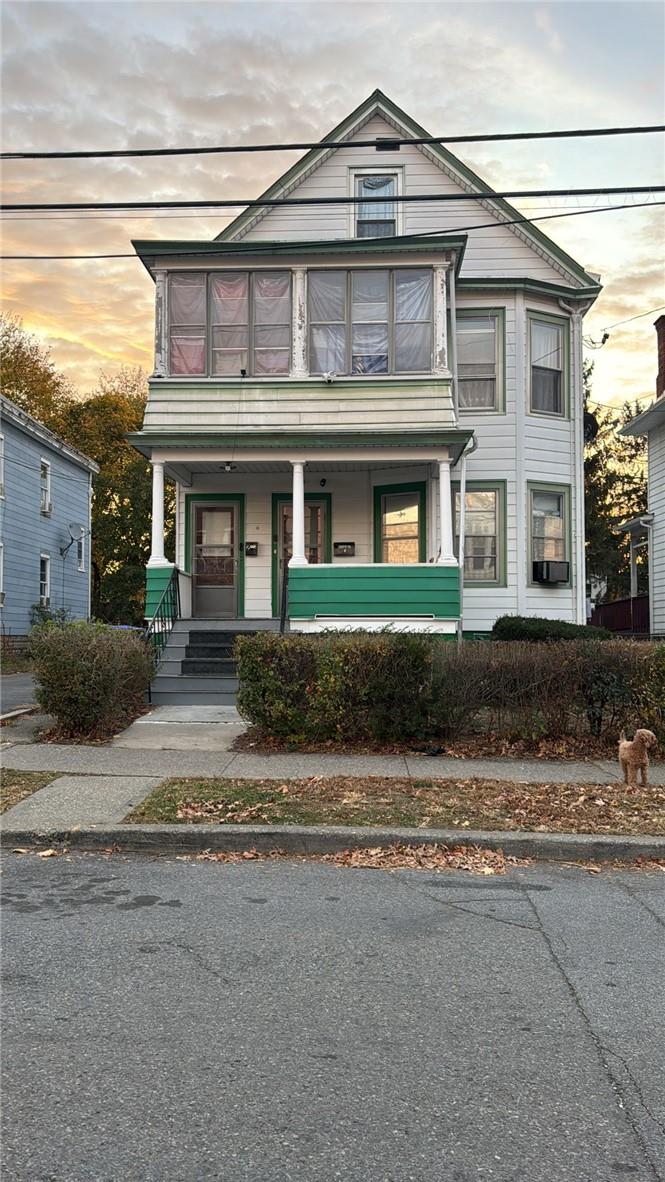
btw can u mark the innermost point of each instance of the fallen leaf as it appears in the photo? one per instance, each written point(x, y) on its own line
point(20, 850)
point(47, 853)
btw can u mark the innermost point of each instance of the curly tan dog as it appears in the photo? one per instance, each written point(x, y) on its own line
point(634, 757)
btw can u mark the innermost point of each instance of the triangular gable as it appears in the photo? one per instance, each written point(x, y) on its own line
point(379, 104)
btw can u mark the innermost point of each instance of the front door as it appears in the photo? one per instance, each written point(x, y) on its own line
point(316, 527)
point(215, 560)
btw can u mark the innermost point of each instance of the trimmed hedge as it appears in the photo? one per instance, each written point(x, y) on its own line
point(540, 628)
point(92, 678)
point(397, 687)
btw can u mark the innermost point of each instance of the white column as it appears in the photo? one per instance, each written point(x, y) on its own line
point(160, 370)
point(157, 557)
point(440, 320)
point(299, 324)
point(633, 566)
point(446, 557)
point(298, 557)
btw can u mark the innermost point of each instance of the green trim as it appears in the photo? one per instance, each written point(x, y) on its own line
point(286, 498)
point(239, 498)
point(562, 321)
point(145, 441)
point(500, 313)
point(380, 490)
point(499, 486)
point(363, 111)
point(381, 591)
point(550, 486)
point(157, 579)
point(537, 286)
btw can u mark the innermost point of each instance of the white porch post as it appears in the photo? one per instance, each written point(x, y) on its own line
point(298, 557)
point(157, 557)
point(299, 324)
point(633, 566)
point(440, 320)
point(160, 325)
point(447, 556)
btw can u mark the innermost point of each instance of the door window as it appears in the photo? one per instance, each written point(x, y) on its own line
point(400, 527)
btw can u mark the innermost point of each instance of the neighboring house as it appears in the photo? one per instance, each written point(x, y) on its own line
point(649, 530)
point(45, 492)
point(320, 373)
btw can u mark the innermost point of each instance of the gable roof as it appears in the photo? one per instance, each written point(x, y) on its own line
point(43, 435)
point(379, 104)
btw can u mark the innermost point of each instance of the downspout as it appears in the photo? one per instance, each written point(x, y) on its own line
point(90, 494)
point(452, 340)
point(576, 312)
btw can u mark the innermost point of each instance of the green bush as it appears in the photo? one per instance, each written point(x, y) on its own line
point(539, 628)
point(399, 688)
point(90, 677)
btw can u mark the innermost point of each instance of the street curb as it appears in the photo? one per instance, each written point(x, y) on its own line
point(301, 839)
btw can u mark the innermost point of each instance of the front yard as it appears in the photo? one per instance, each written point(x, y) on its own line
point(423, 803)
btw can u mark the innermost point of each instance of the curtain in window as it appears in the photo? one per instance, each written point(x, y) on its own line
point(548, 526)
point(229, 316)
point(413, 321)
point(481, 562)
point(187, 318)
point(188, 299)
point(327, 315)
point(272, 322)
point(546, 367)
point(373, 211)
point(370, 296)
point(476, 362)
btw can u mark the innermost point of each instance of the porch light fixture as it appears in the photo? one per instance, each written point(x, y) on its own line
point(230, 467)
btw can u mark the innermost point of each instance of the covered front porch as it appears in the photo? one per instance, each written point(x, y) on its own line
point(323, 537)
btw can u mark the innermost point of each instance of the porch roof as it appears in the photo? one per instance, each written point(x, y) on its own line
point(268, 442)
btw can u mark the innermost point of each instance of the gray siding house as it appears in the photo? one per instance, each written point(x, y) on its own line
point(45, 526)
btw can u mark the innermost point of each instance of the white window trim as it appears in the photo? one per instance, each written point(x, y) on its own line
point(45, 508)
point(80, 553)
point(565, 492)
point(533, 316)
point(499, 315)
point(498, 487)
point(45, 601)
point(393, 170)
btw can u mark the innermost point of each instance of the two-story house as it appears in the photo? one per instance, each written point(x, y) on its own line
point(363, 397)
point(45, 499)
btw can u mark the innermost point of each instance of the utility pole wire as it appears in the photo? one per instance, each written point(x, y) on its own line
point(269, 202)
point(384, 143)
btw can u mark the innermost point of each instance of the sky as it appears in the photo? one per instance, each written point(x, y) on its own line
point(126, 74)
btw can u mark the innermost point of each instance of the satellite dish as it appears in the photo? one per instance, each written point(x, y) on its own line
point(590, 426)
point(76, 531)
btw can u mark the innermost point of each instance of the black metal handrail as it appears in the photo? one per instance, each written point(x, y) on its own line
point(166, 612)
point(283, 611)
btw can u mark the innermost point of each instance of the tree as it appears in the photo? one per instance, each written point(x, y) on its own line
point(29, 377)
point(615, 491)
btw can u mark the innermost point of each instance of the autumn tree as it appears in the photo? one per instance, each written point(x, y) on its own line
point(615, 491)
point(29, 376)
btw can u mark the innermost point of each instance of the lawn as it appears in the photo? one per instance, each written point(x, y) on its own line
point(15, 786)
point(424, 803)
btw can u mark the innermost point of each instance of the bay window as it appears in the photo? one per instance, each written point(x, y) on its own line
point(230, 323)
point(370, 321)
point(483, 530)
point(547, 358)
point(479, 359)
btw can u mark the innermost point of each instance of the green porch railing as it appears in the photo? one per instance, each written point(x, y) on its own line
point(166, 612)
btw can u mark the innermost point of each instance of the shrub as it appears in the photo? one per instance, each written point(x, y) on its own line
point(90, 677)
point(539, 628)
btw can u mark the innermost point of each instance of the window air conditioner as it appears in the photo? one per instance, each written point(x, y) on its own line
point(551, 572)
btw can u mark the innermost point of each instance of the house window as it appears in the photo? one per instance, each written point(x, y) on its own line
point(548, 513)
point(482, 533)
point(370, 321)
point(44, 580)
point(2, 465)
point(547, 350)
point(45, 487)
point(80, 552)
point(479, 356)
point(399, 523)
point(230, 323)
point(375, 218)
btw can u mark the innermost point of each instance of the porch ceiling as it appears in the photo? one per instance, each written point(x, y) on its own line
point(183, 473)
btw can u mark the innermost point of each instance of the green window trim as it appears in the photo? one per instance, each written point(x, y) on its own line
point(381, 490)
point(533, 316)
point(500, 314)
point(287, 498)
point(550, 487)
point(190, 500)
point(498, 486)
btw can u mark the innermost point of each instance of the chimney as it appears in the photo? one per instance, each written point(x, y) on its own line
point(660, 380)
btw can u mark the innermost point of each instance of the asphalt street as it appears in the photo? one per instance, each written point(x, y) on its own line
point(177, 1020)
point(16, 689)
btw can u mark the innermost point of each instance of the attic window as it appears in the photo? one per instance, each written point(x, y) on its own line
point(376, 214)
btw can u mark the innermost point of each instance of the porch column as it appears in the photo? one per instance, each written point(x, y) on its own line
point(298, 557)
point(160, 325)
point(633, 566)
point(299, 324)
point(157, 557)
point(447, 556)
point(440, 320)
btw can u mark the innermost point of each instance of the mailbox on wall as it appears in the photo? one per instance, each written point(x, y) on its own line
point(251, 549)
point(344, 549)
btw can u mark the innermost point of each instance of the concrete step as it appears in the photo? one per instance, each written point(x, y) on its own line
point(208, 667)
point(202, 651)
point(216, 638)
point(159, 697)
point(192, 684)
point(223, 625)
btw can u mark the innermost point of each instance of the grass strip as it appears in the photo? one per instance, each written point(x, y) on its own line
point(15, 786)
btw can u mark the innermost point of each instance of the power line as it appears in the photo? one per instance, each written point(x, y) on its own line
point(638, 317)
point(384, 143)
point(405, 237)
point(270, 202)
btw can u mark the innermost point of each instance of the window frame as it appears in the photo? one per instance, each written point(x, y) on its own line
point(250, 272)
point(391, 323)
point(45, 600)
point(357, 172)
point(2, 467)
point(80, 553)
point(499, 313)
point(382, 490)
point(499, 487)
point(45, 494)
point(533, 317)
point(564, 490)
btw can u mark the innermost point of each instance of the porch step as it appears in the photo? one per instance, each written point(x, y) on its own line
point(197, 665)
point(193, 684)
point(225, 625)
point(180, 697)
point(199, 636)
point(202, 652)
point(208, 667)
